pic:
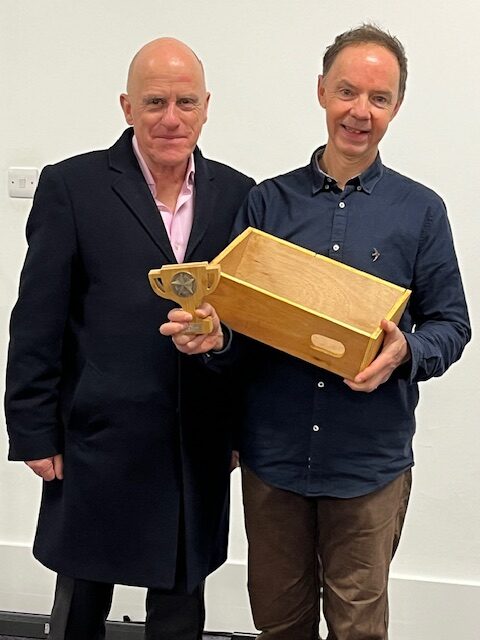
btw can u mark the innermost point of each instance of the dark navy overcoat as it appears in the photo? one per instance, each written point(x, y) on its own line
point(145, 431)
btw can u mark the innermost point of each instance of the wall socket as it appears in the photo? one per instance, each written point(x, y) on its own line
point(22, 182)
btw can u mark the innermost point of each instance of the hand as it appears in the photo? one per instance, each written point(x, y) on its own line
point(192, 344)
point(235, 462)
point(48, 468)
point(394, 352)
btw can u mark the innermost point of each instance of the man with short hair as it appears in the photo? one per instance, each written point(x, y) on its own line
point(326, 462)
point(103, 409)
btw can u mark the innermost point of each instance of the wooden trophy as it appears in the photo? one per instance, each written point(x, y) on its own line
point(187, 284)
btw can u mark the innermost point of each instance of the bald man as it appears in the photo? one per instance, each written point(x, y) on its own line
point(99, 405)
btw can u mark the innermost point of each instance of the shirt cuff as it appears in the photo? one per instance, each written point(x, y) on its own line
point(227, 343)
point(411, 367)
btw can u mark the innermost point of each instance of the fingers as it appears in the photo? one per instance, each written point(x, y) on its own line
point(205, 310)
point(47, 468)
point(201, 343)
point(178, 321)
point(58, 466)
point(393, 353)
point(388, 326)
point(367, 386)
point(378, 372)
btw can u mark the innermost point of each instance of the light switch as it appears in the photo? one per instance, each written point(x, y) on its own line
point(22, 182)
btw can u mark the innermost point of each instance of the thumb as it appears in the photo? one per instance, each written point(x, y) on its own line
point(387, 325)
point(58, 466)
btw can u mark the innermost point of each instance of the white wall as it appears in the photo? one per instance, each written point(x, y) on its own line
point(62, 66)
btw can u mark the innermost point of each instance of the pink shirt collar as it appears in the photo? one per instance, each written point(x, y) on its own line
point(188, 182)
point(179, 221)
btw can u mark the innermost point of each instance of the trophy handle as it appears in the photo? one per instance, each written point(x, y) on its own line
point(155, 280)
point(213, 278)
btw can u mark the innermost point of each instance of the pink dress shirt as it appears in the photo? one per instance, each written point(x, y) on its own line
point(178, 222)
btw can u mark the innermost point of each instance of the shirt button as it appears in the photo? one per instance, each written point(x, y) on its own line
point(316, 427)
point(341, 205)
point(320, 384)
point(336, 247)
point(359, 188)
point(329, 179)
point(327, 186)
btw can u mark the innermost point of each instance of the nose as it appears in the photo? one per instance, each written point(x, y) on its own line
point(360, 108)
point(170, 116)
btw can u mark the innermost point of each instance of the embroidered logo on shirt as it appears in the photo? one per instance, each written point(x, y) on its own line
point(375, 254)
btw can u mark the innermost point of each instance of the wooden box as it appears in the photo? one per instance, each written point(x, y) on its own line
point(307, 305)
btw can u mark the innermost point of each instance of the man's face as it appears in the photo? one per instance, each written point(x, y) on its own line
point(167, 106)
point(360, 97)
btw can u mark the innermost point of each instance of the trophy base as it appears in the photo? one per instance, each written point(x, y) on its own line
point(199, 326)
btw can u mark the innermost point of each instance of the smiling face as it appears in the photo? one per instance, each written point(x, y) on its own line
point(166, 103)
point(360, 95)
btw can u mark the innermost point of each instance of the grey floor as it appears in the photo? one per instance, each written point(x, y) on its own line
point(205, 637)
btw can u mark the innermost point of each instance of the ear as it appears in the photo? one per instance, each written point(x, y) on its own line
point(207, 102)
point(321, 90)
point(126, 108)
point(396, 108)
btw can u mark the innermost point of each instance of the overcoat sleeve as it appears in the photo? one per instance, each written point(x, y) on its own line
point(38, 324)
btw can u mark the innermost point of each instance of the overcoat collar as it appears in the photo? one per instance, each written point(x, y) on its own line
point(130, 186)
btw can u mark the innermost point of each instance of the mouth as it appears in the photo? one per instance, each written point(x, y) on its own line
point(355, 132)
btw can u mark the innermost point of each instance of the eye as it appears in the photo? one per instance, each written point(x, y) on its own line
point(187, 103)
point(345, 93)
point(381, 101)
point(155, 101)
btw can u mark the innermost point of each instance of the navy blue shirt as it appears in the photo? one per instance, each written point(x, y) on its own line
point(302, 428)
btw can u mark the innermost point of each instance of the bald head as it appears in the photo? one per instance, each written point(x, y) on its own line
point(163, 52)
point(166, 103)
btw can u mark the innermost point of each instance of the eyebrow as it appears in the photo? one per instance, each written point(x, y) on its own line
point(159, 96)
point(349, 85)
point(151, 96)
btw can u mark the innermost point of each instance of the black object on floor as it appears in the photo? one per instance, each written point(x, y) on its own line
point(23, 626)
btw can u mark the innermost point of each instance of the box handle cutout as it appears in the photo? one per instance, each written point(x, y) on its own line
point(327, 345)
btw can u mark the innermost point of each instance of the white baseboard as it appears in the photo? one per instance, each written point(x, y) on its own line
point(420, 609)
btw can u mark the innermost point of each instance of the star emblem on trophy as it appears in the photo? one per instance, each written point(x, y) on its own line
point(184, 284)
point(187, 284)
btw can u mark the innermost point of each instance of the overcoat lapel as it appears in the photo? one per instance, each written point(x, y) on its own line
point(131, 187)
point(206, 195)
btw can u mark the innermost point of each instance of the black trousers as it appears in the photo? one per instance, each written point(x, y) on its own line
point(82, 606)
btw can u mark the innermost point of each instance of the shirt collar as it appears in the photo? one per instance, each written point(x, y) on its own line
point(367, 180)
point(147, 174)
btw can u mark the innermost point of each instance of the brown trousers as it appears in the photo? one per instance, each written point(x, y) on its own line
point(291, 536)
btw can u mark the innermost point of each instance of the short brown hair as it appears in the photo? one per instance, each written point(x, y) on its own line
point(366, 34)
